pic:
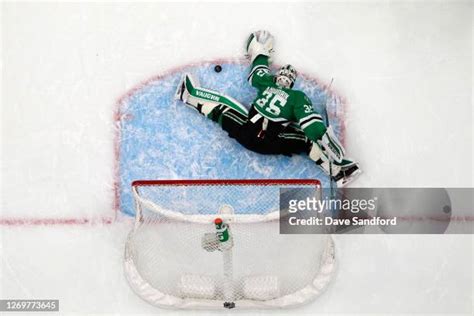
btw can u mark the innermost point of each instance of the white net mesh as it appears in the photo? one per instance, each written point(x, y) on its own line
point(174, 256)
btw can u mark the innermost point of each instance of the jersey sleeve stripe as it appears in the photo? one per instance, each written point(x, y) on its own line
point(311, 116)
point(310, 122)
point(252, 72)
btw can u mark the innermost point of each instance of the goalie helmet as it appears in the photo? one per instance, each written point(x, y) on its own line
point(286, 76)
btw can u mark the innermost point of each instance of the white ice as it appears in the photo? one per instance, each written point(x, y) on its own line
point(405, 69)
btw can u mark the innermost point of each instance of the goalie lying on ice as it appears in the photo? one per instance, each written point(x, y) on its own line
point(280, 121)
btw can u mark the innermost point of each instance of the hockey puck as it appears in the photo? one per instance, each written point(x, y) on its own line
point(218, 68)
point(229, 305)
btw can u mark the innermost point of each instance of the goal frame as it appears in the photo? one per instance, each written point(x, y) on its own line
point(160, 299)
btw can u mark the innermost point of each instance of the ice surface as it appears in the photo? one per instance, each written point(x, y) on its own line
point(403, 68)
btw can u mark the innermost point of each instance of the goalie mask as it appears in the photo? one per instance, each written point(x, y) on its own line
point(286, 76)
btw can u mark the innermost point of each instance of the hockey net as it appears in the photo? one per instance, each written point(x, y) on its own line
point(216, 243)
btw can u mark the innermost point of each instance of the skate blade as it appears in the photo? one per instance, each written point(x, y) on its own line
point(345, 181)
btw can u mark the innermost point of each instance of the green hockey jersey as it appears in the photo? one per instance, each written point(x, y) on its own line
point(283, 105)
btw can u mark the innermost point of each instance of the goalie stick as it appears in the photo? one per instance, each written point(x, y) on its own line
point(326, 121)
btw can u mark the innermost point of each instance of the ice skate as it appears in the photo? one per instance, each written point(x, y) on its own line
point(350, 170)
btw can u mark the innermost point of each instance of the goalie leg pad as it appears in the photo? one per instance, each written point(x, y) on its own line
point(342, 172)
point(322, 160)
point(331, 146)
point(205, 101)
point(185, 85)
